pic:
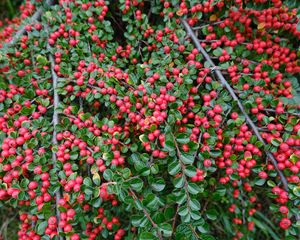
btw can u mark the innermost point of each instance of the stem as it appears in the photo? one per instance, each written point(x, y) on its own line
point(188, 198)
point(199, 141)
point(154, 225)
point(194, 232)
point(108, 183)
point(69, 116)
point(236, 99)
point(174, 222)
point(150, 11)
point(264, 129)
point(55, 121)
point(250, 61)
point(206, 25)
point(36, 16)
point(274, 111)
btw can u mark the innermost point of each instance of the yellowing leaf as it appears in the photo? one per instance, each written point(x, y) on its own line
point(213, 18)
point(94, 169)
point(96, 179)
point(143, 138)
point(261, 26)
point(66, 197)
point(294, 158)
point(179, 13)
point(97, 220)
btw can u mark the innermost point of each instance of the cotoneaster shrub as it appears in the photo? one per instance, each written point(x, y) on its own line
point(114, 126)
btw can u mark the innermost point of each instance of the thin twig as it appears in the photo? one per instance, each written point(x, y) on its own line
point(274, 111)
point(150, 11)
point(108, 183)
point(199, 141)
point(186, 184)
point(244, 59)
point(194, 232)
point(117, 23)
point(154, 225)
point(264, 129)
point(69, 116)
point(206, 25)
point(205, 205)
point(174, 222)
point(225, 118)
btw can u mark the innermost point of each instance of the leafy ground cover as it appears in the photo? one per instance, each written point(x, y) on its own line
point(151, 119)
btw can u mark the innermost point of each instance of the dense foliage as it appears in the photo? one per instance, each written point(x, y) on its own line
point(114, 126)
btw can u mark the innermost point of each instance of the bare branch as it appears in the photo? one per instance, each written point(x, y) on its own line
point(35, 17)
point(55, 121)
point(235, 98)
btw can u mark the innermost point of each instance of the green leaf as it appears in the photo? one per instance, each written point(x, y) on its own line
point(183, 138)
point(179, 182)
point(42, 60)
point(166, 229)
point(169, 146)
point(253, 139)
point(275, 142)
point(40, 228)
point(193, 188)
point(195, 205)
point(217, 52)
point(183, 210)
point(3, 85)
point(215, 153)
point(73, 155)
point(195, 215)
point(108, 174)
point(271, 183)
point(87, 182)
point(187, 158)
point(266, 229)
point(174, 167)
point(207, 237)
point(169, 212)
point(260, 182)
point(211, 214)
point(136, 184)
point(151, 201)
point(158, 184)
point(296, 191)
point(190, 171)
point(27, 111)
point(147, 236)
point(136, 220)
